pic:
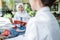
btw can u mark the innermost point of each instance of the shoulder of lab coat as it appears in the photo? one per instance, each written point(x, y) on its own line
point(34, 32)
point(15, 16)
point(42, 27)
point(49, 26)
point(26, 14)
point(30, 33)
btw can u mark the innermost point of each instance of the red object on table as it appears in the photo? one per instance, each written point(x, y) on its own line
point(19, 22)
point(24, 23)
point(6, 33)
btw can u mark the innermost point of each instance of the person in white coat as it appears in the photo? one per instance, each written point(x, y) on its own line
point(21, 12)
point(20, 15)
point(44, 25)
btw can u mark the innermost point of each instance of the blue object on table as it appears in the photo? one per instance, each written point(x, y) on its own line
point(22, 28)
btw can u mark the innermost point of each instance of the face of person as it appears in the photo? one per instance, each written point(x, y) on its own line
point(35, 4)
point(32, 3)
point(20, 8)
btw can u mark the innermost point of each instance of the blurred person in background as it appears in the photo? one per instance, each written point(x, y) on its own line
point(21, 12)
point(21, 17)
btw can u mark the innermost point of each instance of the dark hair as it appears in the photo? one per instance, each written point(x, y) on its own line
point(48, 2)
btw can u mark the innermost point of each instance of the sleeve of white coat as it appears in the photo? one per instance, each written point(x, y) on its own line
point(15, 16)
point(30, 31)
point(48, 29)
point(27, 15)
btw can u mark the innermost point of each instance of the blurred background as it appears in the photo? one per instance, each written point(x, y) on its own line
point(9, 6)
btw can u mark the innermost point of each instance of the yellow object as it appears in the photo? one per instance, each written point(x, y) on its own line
point(0, 3)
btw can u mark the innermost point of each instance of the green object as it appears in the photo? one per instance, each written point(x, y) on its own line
point(28, 9)
point(32, 13)
point(8, 15)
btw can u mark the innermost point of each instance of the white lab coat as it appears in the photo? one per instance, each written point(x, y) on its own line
point(43, 26)
point(24, 15)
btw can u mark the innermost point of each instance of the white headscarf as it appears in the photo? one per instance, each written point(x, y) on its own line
point(20, 4)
